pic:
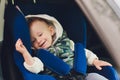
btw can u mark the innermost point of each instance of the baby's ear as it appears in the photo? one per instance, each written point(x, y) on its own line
point(52, 30)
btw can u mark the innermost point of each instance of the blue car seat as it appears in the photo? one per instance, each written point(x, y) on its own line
point(16, 26)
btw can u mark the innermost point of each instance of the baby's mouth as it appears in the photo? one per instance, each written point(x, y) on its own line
point(43, 44)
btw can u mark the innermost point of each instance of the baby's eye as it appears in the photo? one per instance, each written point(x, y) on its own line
point(40, 34)
point(33, 41)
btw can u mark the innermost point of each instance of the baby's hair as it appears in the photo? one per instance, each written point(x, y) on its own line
point(30, 20)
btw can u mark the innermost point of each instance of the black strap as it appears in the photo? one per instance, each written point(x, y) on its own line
point(73, 75)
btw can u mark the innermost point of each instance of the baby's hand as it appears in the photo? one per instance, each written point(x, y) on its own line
point(20, 47)
point(99, 63)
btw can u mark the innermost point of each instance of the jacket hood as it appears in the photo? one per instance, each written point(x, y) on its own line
point(58, 26)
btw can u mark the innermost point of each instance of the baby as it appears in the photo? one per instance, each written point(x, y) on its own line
point(47, 33)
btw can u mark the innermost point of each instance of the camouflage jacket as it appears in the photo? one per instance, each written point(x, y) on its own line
point(63, 49)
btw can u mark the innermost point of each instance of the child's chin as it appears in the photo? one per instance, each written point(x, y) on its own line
point(44, 47)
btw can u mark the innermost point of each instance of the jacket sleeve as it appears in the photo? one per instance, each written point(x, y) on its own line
point(36, 67)
point(90, 56)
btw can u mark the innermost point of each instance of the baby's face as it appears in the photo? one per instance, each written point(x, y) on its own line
point(41, 35)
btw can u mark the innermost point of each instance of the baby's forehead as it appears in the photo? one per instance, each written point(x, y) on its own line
point(32, 20)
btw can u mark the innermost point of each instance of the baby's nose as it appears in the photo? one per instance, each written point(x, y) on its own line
point(39, 40)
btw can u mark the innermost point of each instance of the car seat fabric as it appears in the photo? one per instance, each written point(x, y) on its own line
point(80, 62)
